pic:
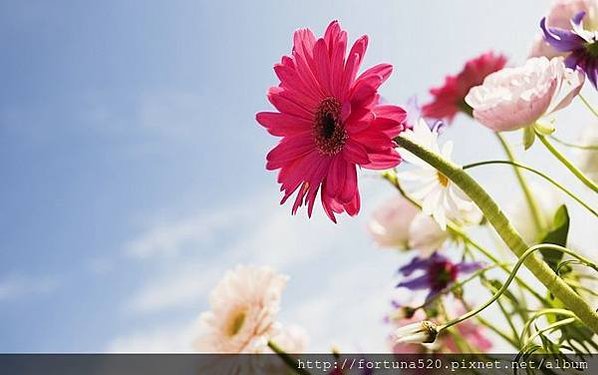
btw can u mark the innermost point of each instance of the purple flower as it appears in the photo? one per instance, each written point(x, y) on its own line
point(438, 273)
point(581, 44)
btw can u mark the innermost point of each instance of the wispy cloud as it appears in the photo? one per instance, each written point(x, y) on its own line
point(19, 286)
point(171, 238)
point(329, 277)
point(174, 290)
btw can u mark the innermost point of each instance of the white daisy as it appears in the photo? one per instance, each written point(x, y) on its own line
point(244, 308)
point(438, 195)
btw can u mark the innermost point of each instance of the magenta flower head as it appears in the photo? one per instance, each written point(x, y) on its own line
point(438, 273)
point(330, 120)
point(581, 44)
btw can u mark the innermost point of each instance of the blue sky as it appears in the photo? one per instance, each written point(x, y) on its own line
point(133, 170)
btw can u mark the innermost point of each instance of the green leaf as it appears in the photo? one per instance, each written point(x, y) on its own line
point(557, 235)
point(528, 137)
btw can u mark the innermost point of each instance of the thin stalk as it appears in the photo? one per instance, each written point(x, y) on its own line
point(508, 318)
point(578, 173)
point(505, 230)
point(573, 145)
point(498, 331)
point(492, 327)
point(537, 216)
point(504, 287)
point(465, 237)
point(551, 327)
point(543, 175)
point(459, 284)
point(458, 232)
point(287, 359)
point(587, 104)
point(555, 311)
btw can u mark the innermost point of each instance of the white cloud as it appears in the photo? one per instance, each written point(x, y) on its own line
point(337, 277)
point(18, 286)
point(175, 290)
point(171, 238)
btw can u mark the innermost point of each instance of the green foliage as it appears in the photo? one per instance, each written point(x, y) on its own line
point(557, 235)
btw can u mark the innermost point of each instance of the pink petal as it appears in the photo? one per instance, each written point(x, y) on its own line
point(355, 153)
point(290, 148)
point(282, 124)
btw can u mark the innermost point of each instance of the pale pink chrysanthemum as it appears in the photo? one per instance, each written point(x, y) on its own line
point(330, 121)
point(244, 307)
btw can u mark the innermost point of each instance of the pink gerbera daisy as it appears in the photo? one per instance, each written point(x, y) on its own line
point(449, 99)
point(330, 121)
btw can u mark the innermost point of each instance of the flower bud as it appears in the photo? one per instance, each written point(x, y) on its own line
point(424, 332)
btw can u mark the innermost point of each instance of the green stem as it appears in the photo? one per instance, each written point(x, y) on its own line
point(506, 231)
point(551, 327)
point(507, 316)
point(531, 200)
point(587, 104)
point(465, 237)
point(573, 145)
point(287, 359)
point(513, 341)
point(498, 331)
point(458, 232)
point(540, 313)
point(579, 174)
point(458, 285)
point(547, 178)
point(593, 321)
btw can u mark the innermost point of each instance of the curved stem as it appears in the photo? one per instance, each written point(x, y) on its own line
point(459, 284)
point(287, 359)
point(498, 331)
point(506, 284)
point(573, 145)
point(465, 237)
point(587, 104)
point(547, 178)
point(458, 232)
point(529, 197)
point(540, 313)
point(579, 174)
point(506, 231)
point(551, 327)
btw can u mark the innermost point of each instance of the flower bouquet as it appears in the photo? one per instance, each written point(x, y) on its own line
point(332, 124)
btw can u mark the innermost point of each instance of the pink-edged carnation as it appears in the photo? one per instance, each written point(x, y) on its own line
point(330, 120)
point(449, 99)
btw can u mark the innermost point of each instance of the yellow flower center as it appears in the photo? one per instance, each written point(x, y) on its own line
point(236, 323)
point(442, 179)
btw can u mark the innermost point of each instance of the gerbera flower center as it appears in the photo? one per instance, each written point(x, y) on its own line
point(236, 323)
point(329, 132)
point(442, 179)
